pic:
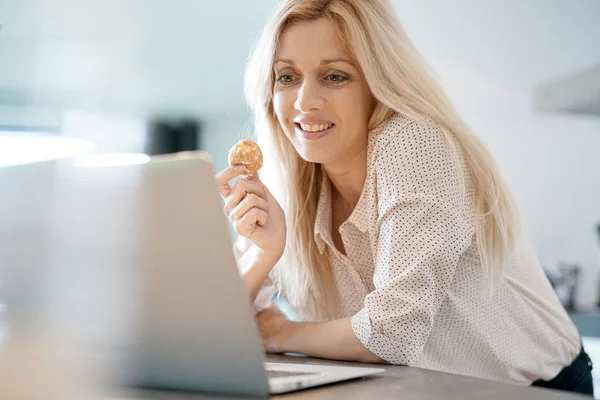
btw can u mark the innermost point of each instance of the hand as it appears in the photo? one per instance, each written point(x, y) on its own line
point(253, 211)
point(275, 329)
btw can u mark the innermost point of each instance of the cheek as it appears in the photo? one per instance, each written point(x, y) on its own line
point(365, 100)
point(364, 109)
point(353, 106)
point(282, 113)
point(281, 105)
point(369, 102)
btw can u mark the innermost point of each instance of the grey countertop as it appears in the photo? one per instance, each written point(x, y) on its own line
point(397, 382)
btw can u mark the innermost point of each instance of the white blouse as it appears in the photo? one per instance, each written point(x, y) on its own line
point(412, 279)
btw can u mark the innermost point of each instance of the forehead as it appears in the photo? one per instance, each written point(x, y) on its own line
point(312, 41)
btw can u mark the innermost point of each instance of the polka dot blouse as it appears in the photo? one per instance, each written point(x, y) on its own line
point(411, 279)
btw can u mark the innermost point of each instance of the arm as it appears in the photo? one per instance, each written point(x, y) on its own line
point(260, 223)
point(332, 339)
point(425, 223)
point(254, 268)
point(420, 243)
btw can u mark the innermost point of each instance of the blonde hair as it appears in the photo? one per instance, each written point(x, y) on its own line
point(401, 83)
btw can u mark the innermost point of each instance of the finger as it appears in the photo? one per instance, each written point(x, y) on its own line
point(223, 178)
point(254, 217)
point(251, 186)
point(238, 194)
point(242, 188)
point(252, 177)
point(255, 177)
point(250, 201)
point(246, 225)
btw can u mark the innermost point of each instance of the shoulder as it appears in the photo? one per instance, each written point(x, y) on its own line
point(419, 157)
point(403, 139)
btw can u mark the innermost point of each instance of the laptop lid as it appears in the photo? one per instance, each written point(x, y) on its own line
point(137, 260)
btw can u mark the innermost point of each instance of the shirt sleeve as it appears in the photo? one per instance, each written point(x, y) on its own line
point(421, 232)
point(264, 298)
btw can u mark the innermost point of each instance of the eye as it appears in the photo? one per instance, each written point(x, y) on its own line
point(335, 78)
point(285, 79)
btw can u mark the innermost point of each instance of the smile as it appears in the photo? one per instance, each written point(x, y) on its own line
point(315, 128)
point(314, 131)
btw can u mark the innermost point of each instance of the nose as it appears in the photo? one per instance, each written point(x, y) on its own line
point(309, 97)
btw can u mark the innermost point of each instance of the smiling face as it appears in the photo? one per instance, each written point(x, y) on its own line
point(320, 97)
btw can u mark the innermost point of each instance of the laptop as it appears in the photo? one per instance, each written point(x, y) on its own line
point(144, 256)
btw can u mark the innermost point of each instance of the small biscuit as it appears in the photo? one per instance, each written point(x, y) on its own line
point(246, 153)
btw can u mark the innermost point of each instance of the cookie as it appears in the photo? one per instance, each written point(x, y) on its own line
point(246, 153)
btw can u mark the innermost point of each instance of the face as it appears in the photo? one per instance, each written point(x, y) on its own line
point(321, 98)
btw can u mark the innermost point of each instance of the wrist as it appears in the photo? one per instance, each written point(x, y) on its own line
point(267, 258)
point(290, 338)
point(255, 268)
point(258, 260)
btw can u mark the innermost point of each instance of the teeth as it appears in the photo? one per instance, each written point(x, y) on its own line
point(315, 128)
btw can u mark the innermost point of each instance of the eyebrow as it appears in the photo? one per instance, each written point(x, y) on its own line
point(324, 62)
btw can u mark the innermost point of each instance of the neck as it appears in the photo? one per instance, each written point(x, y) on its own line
point(347, 179)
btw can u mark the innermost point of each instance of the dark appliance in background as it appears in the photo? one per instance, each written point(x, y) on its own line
point(172, 136)
point(564, 280)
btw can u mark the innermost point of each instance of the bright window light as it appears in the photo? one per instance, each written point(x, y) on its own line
point(25, 148)
point(110, 160)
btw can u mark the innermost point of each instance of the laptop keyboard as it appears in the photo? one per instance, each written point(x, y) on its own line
point(273, 373)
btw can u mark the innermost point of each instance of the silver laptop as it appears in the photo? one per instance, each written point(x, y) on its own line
point(152, 241)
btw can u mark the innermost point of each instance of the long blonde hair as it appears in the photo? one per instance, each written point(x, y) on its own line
point(401, 83)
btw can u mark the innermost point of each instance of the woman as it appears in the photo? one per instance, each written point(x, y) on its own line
point(397, 240)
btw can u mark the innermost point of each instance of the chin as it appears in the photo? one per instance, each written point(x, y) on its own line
point(312, 152)
point(313, 157)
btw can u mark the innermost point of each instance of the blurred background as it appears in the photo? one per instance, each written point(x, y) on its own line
point(118, 81)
